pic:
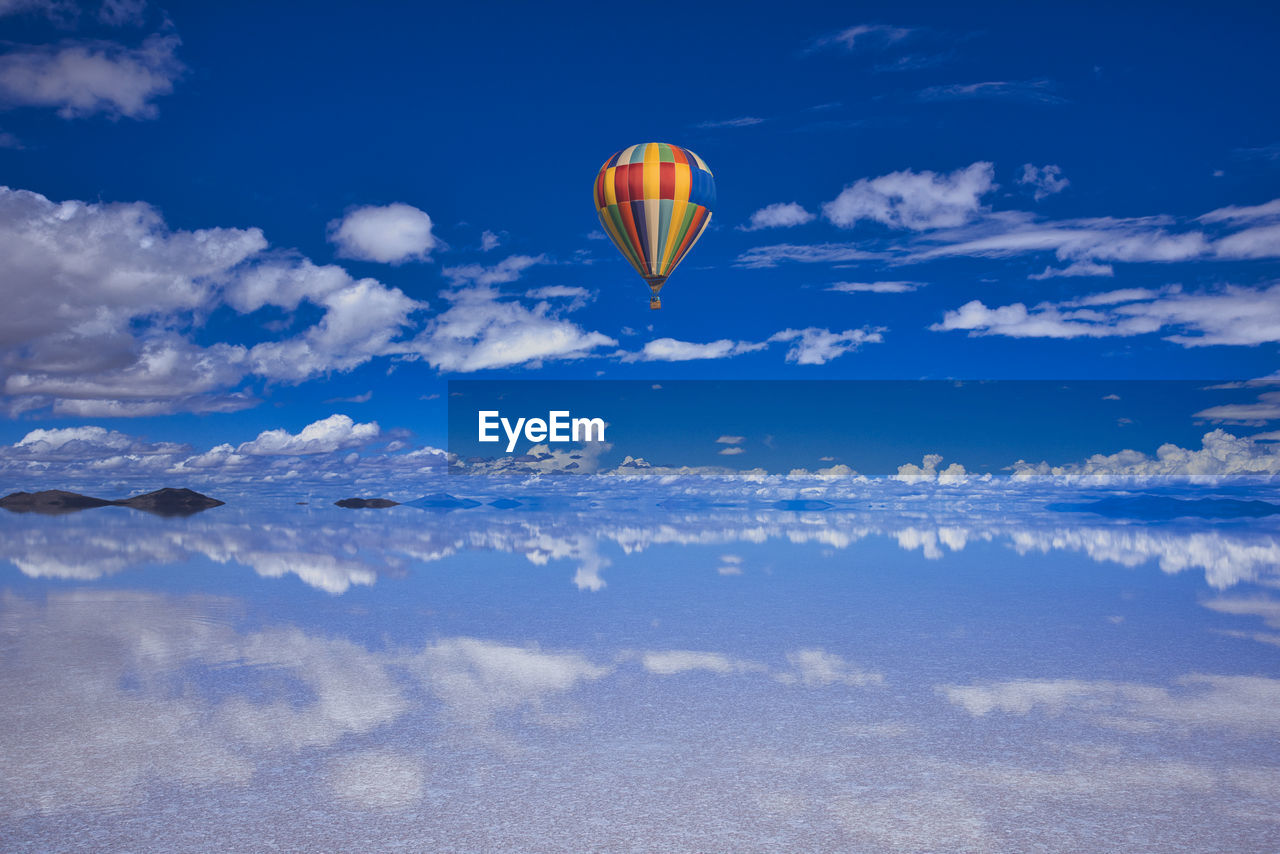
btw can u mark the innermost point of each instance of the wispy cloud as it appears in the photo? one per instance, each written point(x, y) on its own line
point(1039, 91)
point(861, 37)
point(1231, 316)
point(740, 122)
point(875, 287)
point(822, 253)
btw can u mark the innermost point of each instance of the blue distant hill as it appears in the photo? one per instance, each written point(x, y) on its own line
point(1163, 507)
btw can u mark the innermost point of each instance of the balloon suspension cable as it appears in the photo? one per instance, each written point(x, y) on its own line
point(655, 285)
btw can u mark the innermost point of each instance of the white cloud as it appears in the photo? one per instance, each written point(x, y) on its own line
point(506, 270)
point(391, 234)
point(730, 452)
point(1016, 90)
point(1250, 213)
point(320, 437)
point(1259, 242)
point(1248, 606)
point(731, 440)
point(1267, 408)
point(672, 662)
point(779, 215)
point(119, 13)
point(376, 779)
point(1220, 454)
point(577, 297)
point(672, 350)
point(1195, 701)
point(822, 253)
point(817, 667)
point(860, 36)
point(480, 330)
point(914, 200)
point(81, 78)
point(105, 299)
point(815, 346)
point(1231, 316)
point(928, 471)
point(1134, 239)
point(1077, 269)
point(489, 240)
point(875, 287)
point(477, 678)
point(1046, 180)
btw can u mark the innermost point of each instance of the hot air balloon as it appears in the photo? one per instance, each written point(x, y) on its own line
point(654, 201)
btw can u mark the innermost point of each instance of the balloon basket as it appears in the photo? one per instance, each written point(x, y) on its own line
point(655, 303)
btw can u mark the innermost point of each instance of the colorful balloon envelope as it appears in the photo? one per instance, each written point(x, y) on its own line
point(654, 201)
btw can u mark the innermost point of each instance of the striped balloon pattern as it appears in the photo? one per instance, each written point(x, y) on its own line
point(654, 201)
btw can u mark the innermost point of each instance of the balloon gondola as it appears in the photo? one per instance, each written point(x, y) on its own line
point(654, 201)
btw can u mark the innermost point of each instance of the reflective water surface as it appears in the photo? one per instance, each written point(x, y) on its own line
point(935, 673)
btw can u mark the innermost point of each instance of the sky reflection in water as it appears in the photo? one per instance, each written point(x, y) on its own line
point(944, 674)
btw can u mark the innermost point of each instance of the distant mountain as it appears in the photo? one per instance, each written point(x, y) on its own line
point(1156, 507)
point(443, 501)
point(803, 504)
point(366, 503)
point(162, 502)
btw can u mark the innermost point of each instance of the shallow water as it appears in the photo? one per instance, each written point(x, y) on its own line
point(902, 672)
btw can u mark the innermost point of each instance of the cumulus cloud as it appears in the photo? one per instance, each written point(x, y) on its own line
point(815, 346)
point(482, 330)
point(1045, 180)
point(779, 215)
point(673, 350)
point(320, 437)
point(82, 78)
point(334, 450)
point(1231, 316)
point(1221, 454)
point(928, 471)
point(1040, 91)
point(391, 234)
point(914, 200)
point(106, 297)
point(489, 240)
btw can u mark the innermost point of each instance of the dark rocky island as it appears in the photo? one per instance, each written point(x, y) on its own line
point(369, 503)
point(162, 502)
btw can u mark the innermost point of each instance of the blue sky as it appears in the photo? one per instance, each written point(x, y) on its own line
point(196, 230)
